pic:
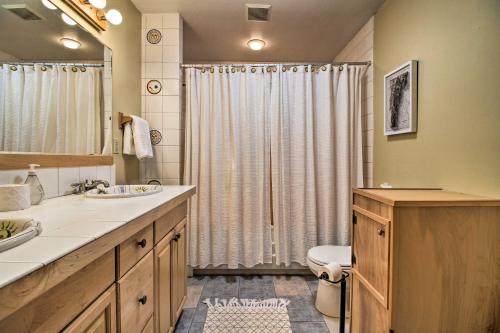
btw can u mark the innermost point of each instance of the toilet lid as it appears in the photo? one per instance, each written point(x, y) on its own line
point(325, 254)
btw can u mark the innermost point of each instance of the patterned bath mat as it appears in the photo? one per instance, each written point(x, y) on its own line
point(247, 316)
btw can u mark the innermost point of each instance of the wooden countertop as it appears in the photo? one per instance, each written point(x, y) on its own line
point(425, 197)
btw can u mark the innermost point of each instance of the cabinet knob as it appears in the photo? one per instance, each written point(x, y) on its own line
point(143, 299)
point(380, 231)
point(176, 237)
point(142, 243)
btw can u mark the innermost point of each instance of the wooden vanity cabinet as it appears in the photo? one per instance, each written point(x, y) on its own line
point(424, 261)
point(133, 279)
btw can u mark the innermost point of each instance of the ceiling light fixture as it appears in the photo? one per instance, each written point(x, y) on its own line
point(256, 44)
point(99, 4)
point(71, 43)
point(68, 20)
point(49, 4)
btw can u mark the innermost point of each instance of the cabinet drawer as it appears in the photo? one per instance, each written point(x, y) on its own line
point(371, 236)
point(135, 296)
point(167, 222)
point(133, 249)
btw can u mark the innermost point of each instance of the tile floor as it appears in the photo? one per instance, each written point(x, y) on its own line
point(300, 290)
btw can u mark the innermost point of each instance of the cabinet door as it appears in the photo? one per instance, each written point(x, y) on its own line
point(99, 317)
point(370, 246)
point(179, 270)
point(367, 314)
point(163, 285)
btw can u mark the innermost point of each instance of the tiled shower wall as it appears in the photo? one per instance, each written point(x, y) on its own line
point(161, 59)
point(360, 48)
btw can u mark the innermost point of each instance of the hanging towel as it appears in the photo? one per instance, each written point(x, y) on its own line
point(141, 139)
point(128, 140)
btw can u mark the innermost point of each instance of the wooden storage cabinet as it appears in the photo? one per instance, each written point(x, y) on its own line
point(425, 261)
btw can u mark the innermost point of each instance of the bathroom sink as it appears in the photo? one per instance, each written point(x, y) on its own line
point(123, 191)
point(17, 231)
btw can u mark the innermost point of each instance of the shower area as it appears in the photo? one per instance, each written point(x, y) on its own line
point(274, 150)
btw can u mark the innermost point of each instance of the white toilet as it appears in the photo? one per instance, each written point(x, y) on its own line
point(328, 296)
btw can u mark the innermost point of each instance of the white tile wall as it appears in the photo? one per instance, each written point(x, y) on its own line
point(162, 62)
point(57, 181)
point(360, 48)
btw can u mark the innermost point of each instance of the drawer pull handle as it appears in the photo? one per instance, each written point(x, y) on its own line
point(142, 243)
point(380, 231)
point(176, 237)
point(143, 299)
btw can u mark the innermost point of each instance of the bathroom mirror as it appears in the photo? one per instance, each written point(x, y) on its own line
point(55, 83)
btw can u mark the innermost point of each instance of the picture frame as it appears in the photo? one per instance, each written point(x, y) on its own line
point(400, 99)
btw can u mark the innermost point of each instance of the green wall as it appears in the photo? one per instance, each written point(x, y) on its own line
point(457, 144)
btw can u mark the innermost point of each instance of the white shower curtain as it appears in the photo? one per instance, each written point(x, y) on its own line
point(50, 109)
point(282, 141)
point(227, 157)
point(316, 158)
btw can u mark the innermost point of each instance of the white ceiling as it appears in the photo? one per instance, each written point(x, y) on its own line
point(298, 31)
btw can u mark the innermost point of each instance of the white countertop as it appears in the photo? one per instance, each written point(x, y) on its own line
point(70, 222)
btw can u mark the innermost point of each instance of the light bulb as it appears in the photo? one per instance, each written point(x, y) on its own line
point(71, 43)
point(68, 20)
point(49, 4)
point(256, 44)
point(114, 17)
point(99, 4)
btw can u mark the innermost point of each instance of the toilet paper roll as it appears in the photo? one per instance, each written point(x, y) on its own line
point(333, 269)
point(14, 197)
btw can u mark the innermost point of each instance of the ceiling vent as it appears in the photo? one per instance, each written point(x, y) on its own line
point(257, 12)
point(23, 11)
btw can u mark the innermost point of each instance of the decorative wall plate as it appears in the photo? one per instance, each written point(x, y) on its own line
point(154, 182)
point(154, 87)
point(153, 36)
point(155, 137)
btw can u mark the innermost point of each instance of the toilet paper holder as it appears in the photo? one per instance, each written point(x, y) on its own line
point(343, 286)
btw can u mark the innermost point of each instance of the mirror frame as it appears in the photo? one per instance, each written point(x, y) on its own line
point(10, 161)
point(13, 160)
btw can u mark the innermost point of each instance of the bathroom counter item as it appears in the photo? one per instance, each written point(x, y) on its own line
point(14, 232)
point(424, 261)
point(123, 191)
point(14, 197)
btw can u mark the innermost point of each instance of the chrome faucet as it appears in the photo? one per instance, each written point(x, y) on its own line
point(87, 185)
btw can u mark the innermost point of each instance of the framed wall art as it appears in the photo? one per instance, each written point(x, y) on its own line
point(400, 99)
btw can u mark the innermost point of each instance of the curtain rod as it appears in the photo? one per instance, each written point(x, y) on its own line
point(340, 63)
point(49, 64)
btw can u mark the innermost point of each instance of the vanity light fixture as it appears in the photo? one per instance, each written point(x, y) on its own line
point(256, 44)
point(113, 16)
point(49, 4)
point(99, 4)
point(68, 20)
point(71, 43)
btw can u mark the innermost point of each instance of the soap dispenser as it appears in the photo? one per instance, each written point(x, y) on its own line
point(37, 194)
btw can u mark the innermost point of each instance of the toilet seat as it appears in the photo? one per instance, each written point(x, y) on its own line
point(325, 254)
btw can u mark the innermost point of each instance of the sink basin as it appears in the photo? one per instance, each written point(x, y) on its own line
point(123, 191)
point(16, 231)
